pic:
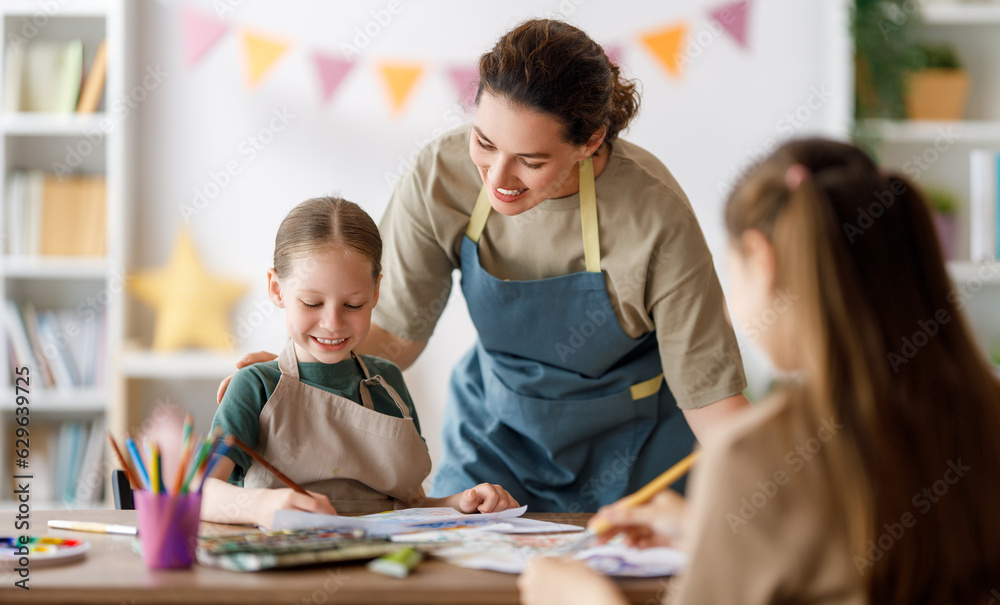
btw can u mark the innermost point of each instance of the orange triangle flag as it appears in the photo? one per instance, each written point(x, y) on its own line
point(260, 53)
point(400, 78)
point(666, 45)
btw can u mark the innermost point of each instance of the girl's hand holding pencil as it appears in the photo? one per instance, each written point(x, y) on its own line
point(657, 523)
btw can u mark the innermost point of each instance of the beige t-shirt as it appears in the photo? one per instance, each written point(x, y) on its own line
point(764, 526)
point(657, 266)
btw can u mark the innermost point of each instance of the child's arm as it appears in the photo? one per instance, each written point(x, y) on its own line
point(483, 498)
point(223, 502)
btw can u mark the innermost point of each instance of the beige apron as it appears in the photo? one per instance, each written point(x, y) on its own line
point(361, 459)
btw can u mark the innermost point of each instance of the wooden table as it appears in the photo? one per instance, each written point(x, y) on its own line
point(113, 573)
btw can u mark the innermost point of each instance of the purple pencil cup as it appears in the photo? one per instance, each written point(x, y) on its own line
point(168, 528)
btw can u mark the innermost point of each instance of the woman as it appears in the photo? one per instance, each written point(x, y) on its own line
point(872, 477)
point(596, 351)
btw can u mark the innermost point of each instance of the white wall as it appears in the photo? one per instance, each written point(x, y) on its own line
point(730, 105)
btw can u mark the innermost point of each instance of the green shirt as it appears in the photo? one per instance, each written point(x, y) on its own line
point(252, 386)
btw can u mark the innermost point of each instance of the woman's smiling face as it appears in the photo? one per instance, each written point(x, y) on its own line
point(522, 155)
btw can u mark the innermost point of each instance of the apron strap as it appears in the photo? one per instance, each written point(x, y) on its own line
point(647, 388)
point(477, 222)
point(366, 397)
point(288, 363)
point(588, 217)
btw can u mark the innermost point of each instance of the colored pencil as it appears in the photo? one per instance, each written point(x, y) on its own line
point(215, 455)
point(183, 463)
point(154, 464)
point(121, 459)
point(267, 465)
point(644, 495)
point(203, 449)
point(137, 460)
point(205, 452)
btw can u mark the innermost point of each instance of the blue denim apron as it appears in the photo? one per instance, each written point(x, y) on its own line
point(555, 401)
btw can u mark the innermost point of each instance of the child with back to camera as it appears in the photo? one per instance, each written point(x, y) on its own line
point(872, 476)
point(339, 424)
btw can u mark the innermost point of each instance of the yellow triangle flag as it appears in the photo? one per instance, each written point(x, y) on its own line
point(400, 78)
point(666, 45)
point(260, 53)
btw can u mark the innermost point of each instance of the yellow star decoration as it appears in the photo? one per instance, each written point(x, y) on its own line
point(192, 306)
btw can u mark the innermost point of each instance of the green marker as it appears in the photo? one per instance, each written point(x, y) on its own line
point(397, 564)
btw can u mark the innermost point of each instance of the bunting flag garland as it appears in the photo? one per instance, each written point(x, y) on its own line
point(466, 81)
point(733, 18)
point(332, 71)
point(666, 45)
point(260, 53)
point(399, 79)
point(200, 31)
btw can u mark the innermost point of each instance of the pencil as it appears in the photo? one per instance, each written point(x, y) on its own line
point(267, 465)
point(213, 458)
point(640, 497)
point(128, 472)
point(154, 464)
point(185, 458)
point(137, 460)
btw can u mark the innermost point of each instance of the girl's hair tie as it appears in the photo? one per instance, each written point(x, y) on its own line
point(794, 176)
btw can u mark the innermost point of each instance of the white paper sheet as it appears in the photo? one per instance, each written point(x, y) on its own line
point(477, 549)
point(395, 522)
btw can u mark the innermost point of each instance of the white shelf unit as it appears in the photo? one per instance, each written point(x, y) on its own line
point(194, 365)
point(962, 14)
point(973, 29)
point(34, 141)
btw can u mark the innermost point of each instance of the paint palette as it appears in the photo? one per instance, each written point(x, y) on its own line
point(254, 551)
point(43, 550)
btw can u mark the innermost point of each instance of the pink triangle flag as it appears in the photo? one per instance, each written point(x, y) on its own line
point(733, 18)
point(614, 53)
point(466, 81)
point(200, 32)
point(332, 71)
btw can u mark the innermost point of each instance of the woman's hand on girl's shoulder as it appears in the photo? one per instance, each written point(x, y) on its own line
point(246, 360)
point(484, 498)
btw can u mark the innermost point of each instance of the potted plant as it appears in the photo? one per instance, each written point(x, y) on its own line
point(945, 205)
point(885, 50)
point(938, 88)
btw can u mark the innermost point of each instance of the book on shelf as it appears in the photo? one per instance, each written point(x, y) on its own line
point(63, 348)
point(43, 75)
point(13, 67)
point(22, 353)
point(93, 83)
point(30, 319)
point(88, 487)
point(52, 216)
point(984, 205)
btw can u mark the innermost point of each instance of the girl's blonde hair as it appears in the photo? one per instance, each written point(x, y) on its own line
point(886, 351)
point(323, 223)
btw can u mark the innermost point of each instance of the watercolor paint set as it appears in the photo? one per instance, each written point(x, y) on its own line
point(254, 551)
point(42, 550)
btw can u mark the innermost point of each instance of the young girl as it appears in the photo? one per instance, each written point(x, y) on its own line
point(870, 478)
point(339, 424)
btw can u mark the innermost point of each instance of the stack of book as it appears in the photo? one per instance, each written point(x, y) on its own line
point(67, 461)
point(64, 348)
point(49, 215)
point(47, 76)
